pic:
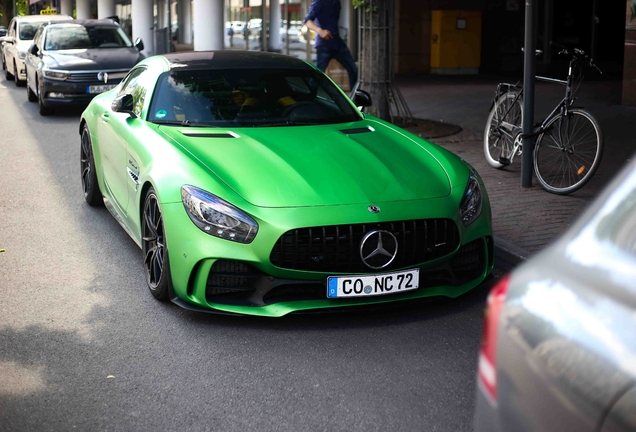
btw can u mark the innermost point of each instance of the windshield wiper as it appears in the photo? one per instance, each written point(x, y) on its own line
point(287, 123)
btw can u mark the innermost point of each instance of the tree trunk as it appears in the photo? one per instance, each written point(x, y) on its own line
point(6, 10)
point(375, 71)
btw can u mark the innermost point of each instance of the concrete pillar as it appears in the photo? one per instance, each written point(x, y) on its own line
point(275, 42)
point(83, 9)
point(105, 8)
point(208, 25)
point(142, 21)
point(66, 7)
point(185, 21)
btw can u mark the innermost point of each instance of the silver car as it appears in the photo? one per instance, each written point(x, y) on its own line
point(18, 40)
point(559, 346)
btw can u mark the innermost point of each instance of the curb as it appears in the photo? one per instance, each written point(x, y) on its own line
point(511, 254)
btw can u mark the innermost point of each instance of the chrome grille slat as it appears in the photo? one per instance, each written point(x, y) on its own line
point(336, 248)
point(91, 76)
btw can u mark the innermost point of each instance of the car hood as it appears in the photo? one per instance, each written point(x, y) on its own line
point(317, 165)
point(92, 59)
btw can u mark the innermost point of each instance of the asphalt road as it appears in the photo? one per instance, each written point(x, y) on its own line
point(84, 346)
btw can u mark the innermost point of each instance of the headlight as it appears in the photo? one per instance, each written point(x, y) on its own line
point(22, 55)
point(470, 207)
point(216, 217)
point(55, 74)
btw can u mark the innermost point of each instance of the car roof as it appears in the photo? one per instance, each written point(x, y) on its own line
point(85, 23)
point(39, 18)
point(234, 59)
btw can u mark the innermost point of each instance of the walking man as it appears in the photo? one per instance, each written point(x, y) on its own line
point(323, 19)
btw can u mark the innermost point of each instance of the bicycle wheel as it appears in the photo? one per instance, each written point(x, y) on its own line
point(567, 156)
point(504, 117)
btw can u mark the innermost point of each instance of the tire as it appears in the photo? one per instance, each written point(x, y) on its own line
point(564, 162)
point(7, 75)
point(18, 81)
point(44, 110)
point(497, 144)
point(154, 248)
point(90, 186)
point(31, 97)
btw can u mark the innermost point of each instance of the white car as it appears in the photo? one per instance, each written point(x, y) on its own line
point(18, 40)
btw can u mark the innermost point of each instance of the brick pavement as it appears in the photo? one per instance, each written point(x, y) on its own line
point(525, 220)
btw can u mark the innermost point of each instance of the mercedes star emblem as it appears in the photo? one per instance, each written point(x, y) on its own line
point(374, 209)
point(378, 249)
point(103, 76)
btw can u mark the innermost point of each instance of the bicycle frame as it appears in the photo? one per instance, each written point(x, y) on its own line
point(513, 131)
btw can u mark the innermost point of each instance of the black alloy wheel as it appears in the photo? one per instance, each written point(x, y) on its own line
point(31, 97)
point(18, 81)
point(90, 187)
point(7, 75)
point(44, 110)
point(154, 248)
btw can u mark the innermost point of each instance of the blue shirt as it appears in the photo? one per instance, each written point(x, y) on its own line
point(325, 13)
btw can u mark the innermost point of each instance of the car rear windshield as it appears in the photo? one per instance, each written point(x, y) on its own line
point(80, 37)
point(249, 97)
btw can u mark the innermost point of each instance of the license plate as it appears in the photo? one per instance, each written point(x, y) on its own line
point(94, 89)
point(372, 285)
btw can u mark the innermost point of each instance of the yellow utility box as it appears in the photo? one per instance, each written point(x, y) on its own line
point(455, 42)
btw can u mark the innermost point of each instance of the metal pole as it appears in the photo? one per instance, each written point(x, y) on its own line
point(528, 94)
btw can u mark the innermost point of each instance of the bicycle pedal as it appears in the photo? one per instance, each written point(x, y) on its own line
point(504, 161)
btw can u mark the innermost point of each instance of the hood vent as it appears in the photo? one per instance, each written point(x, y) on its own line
point(210, 135)
point(357, 130)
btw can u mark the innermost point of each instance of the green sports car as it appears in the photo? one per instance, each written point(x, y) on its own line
point(254, 185)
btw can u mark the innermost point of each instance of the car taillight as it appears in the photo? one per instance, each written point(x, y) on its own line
point(487, 370)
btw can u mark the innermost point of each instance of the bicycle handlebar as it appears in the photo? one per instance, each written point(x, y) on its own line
point(577, 54)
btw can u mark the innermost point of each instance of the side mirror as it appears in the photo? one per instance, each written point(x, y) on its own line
point(124, 104)
point(362, 99)
point(139, 44)
point(33, 49)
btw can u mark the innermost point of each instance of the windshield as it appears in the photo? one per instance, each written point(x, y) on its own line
point(249, 97)
point(28, 29)
point(80, 37)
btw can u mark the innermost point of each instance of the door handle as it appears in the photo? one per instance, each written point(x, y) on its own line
point(105, 118)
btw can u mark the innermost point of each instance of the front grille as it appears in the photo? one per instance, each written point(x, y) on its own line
point(336, 248)
point(232, 281)
point(114, 76)
point(469, 261)
point(238, 283)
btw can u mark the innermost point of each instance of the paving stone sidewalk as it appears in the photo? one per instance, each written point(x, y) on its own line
point(525, 220)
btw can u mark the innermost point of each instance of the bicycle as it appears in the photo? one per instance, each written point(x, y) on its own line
point(569, 141)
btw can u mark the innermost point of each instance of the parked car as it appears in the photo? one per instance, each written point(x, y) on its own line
point(293, 32)
point(71, 62)
point(254, 185)
point(3, 31)
point(19, 38)
point(559, 346)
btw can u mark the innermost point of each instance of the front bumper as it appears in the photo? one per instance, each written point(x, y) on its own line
point(212, 274)
point(64, 93)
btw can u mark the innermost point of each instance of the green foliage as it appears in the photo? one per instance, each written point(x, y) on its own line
point(363, 4)
point(22, 6)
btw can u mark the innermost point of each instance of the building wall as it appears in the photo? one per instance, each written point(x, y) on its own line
point(413, 37)
point(629, 71)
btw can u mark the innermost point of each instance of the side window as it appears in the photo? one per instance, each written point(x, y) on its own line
point(37, 40)
point(135, 84)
